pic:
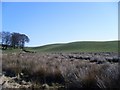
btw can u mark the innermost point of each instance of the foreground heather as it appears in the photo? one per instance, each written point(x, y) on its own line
point(62, 70)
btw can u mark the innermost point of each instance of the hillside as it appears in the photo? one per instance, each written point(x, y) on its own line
point(85, 46)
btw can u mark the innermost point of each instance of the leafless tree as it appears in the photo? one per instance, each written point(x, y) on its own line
point(15, 40)
point(18, 40)
point(6, 38)
point(23, 39)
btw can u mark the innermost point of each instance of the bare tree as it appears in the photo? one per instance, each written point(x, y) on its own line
point(23, 38)
point(6, 38)
point(18, 40)
point(15, 40)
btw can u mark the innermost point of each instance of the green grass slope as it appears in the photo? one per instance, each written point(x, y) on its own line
point(86, 46)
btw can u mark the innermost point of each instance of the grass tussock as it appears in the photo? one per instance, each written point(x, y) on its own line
point(91, 75)
point(53, 68)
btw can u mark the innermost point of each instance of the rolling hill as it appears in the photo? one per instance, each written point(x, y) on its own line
point(85, 46)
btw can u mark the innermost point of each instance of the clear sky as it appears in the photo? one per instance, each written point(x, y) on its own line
point(50, 22)
point(59, 0)
point(0, 17)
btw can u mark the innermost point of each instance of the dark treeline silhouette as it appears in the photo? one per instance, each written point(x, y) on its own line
point(13, 40)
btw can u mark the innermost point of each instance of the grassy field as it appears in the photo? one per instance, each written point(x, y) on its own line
point(109, 46)
point(91, 46)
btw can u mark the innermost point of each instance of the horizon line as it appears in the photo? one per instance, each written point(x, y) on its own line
point(70, 42)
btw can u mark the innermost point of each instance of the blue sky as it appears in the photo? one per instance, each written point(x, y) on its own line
point(47, 23)
point(0, 16)
point(59, 0)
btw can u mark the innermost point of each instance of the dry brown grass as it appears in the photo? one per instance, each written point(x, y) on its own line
point(53, 68)
point(34, 66)
point(90, 75)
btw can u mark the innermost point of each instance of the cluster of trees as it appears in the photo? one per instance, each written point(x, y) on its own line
point(15, 40)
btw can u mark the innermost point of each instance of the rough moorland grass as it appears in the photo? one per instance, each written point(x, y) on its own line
point(34, 66)
point(51, 68)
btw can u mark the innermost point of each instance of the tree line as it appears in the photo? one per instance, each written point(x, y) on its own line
point(13, 40)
